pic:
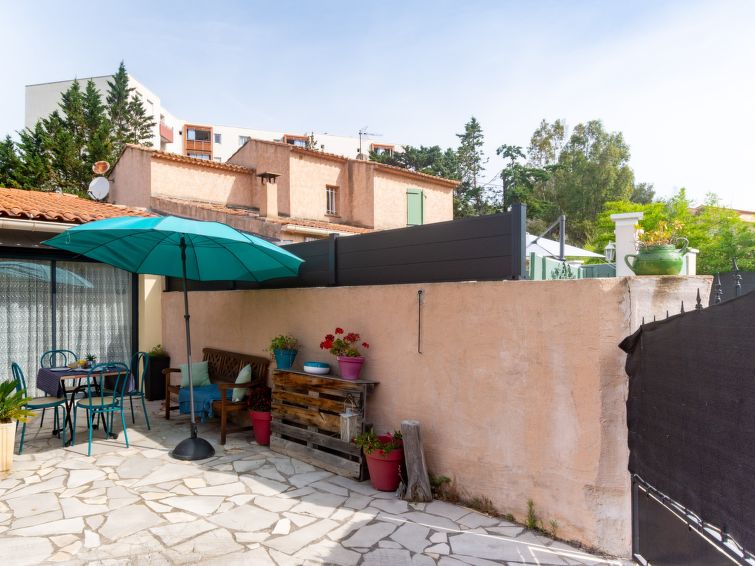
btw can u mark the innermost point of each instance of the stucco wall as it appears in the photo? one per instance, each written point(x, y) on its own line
point(309, 178)
point(520, 386)
point(130, 181)
point(150, 312)
point(185, 181)
point(267, 158)
point(390, 200)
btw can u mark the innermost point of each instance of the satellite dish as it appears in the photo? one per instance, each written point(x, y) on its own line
point(100, 167)
point(99, 188)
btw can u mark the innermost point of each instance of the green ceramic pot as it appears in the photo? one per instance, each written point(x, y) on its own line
point(658, 260)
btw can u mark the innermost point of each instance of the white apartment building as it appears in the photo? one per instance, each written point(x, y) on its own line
point(194, 139)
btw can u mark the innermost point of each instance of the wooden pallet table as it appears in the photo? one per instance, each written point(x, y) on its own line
point(306, 413)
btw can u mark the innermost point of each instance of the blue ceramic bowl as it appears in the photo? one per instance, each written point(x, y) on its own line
point(316, 368)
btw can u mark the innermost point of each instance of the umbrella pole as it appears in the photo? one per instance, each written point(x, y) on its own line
point(192, 448)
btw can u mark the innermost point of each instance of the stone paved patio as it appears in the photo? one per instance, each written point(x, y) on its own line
point(247, 505)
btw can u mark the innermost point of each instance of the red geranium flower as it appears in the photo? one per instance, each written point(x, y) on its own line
point(330, 337)
point(339, 330)
point(365, 344)
point(328, 344)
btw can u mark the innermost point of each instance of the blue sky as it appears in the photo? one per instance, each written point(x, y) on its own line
point(675, 77)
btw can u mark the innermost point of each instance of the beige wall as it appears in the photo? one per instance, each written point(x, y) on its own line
point(309, 178)
point(390, 200)
point(270, 158)
point(150, 312)
point(185, 181)
point(130, 181)
point(520, 387)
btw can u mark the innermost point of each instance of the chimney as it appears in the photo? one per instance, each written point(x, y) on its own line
point(625, 230)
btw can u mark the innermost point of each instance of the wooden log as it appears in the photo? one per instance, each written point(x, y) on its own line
point(418, 480)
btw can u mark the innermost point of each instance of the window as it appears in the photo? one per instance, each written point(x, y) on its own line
point(218, 138)
point(218, 158)
point(194, 134)
point(88, 311)
point(243, 140)
point(197, 155)
point(331, 200)
point(381, 149)
point(414, 207)
point(297, 141)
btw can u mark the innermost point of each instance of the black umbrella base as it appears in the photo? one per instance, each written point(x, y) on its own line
point(193, 448)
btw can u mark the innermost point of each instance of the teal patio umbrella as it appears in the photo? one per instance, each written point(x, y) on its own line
point(177, 247)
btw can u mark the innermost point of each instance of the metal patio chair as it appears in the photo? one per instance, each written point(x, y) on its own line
point(53, 359)
point(139, 372)
point(38, 403)
point(99, 402)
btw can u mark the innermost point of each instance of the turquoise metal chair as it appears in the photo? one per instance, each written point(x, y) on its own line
point(139, 372)
point(55, 359)
point(99, 402)
point(38, 403)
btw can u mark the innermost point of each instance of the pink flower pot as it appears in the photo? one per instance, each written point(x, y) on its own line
point(350, 367)
point(261, 423)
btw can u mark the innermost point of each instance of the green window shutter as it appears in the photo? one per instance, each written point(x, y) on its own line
point(414, 207)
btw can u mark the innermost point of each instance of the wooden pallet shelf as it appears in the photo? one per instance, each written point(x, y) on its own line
point(306, 412)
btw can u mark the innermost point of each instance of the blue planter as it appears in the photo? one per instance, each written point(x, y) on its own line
point(284, 359)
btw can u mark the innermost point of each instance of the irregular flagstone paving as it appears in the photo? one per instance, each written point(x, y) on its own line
point(246, 505)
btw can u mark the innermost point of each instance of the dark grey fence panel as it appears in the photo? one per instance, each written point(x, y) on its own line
point(483, 248)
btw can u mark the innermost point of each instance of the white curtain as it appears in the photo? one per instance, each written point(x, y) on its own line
point(94, 316)
point(25, 319)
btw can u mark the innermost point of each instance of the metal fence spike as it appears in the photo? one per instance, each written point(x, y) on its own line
point(643, 320)
point(682, 307)
point(653, 318)
point(719, 290)
point(699, 304)
point(666, 313)
point(737, 278)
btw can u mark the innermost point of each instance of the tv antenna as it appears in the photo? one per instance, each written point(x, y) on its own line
point(364, 133)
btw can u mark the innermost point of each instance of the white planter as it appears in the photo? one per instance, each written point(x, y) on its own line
point(7, 444)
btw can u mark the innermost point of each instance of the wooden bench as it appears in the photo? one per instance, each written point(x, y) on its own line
point(224, 368)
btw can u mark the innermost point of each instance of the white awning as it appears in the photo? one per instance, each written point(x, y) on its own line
point(551, 248)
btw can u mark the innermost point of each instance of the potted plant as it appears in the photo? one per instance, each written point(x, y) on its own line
point(658, 254)
point(12, 408)
point(259, 413)
point(284, 350)
point(345, 347)
point(90, 360)
point(385, 456)
point(159, 360)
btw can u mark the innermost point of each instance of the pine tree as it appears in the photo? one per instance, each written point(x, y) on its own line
point(70, 138)
point(98, 146)
point(469, 196)
point(10, 164)
point(35, 165)
point(129, 121)
point(64, 154)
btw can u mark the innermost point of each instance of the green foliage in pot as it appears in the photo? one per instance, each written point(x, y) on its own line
point(12, 404)
point(369, 442)
point(261, 399)
point(283, 342)
point(158, 352)
point(91, 358)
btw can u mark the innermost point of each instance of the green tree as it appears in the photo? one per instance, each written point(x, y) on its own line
point(470, 196)
point(129, 121)
point(35, 172)
point(718, 232)
point(98, 142)
point(430, 160)
point(521, 182)
point(10, 164)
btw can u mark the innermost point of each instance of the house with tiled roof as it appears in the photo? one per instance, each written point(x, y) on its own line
point(280, 191)
point(57, 300)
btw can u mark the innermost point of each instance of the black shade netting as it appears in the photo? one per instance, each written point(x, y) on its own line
point(691, 412)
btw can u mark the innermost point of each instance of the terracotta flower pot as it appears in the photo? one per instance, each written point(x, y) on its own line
point(350, 367)
point(385, 469)
point(261, 424)
point(7, 444)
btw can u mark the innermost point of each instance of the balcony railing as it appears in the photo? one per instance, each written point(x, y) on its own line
point(166, 133)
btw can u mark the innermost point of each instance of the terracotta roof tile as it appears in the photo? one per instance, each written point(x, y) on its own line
point(156, 154)
point(56, 207)
point(246, 212)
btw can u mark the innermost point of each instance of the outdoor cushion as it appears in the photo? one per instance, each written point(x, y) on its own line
point(245, 376)
point(203, 398)
point(200, 374)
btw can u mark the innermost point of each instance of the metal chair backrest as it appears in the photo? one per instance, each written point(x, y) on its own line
point(139, 369)
point(53, 358)
point(118, 372)
point(18, 377)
